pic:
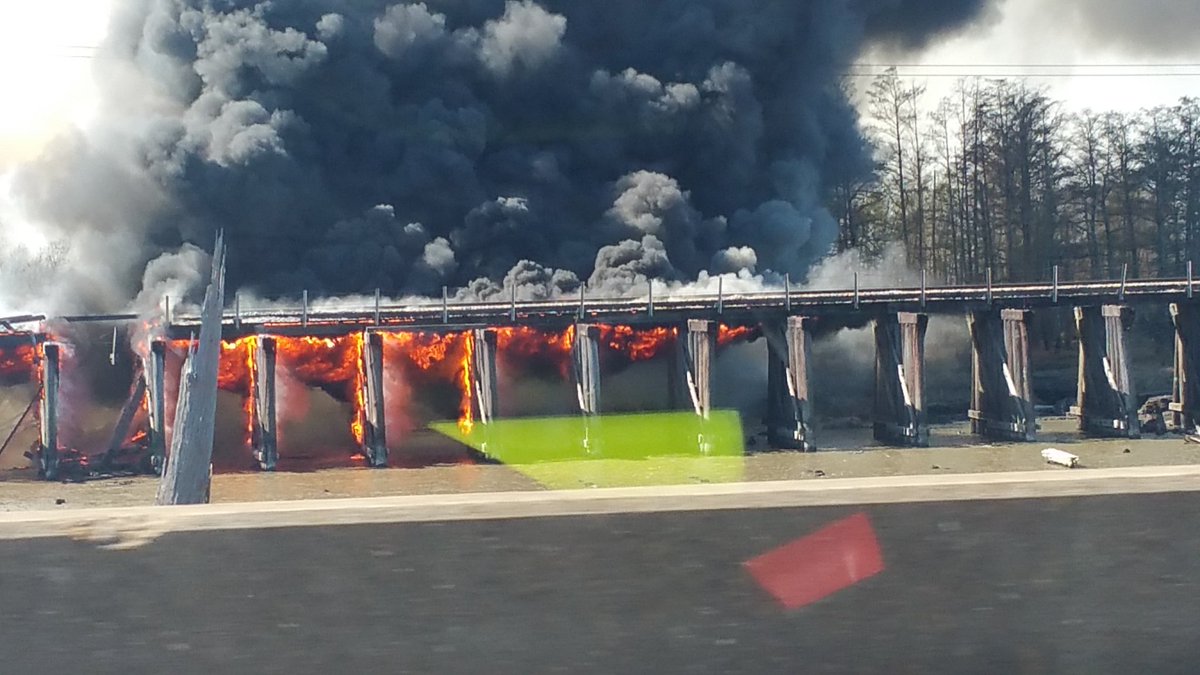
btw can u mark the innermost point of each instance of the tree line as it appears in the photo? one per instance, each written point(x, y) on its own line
point(998, 176)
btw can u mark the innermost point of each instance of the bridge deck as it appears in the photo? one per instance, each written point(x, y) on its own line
point(731, 308)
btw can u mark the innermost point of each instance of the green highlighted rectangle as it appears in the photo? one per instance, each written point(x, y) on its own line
point(613, 450)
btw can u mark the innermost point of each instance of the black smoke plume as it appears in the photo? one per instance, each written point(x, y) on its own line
point(345, 145)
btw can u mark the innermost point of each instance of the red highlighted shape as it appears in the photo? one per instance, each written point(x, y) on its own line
point(834, 557)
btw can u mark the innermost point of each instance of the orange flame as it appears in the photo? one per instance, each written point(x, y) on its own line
point(17, 363)
point(727, 335)
point(637, 344)
point(359, 421)
point(235, 373)
point(445, 355)
point(465, 412)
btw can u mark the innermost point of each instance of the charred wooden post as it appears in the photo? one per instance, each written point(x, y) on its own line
point(1001, 398)
point(1106, 404)
point(900, 379)
point(1185, 398)
point(700, 345)
point(585, 362)
point(48, 451)
point(789, 400)
point(155, 370)
point(265, 438)
point(374, 429)
point(483, 373)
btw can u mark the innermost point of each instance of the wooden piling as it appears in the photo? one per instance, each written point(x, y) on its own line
point(789, 401)
point(1106, 401)
point(483, 373)
point(374, 429)
point(1001, 398)
point(700, 345)
point(155, 369)
point(48, 453)
point(900, 379)
point(585, 361)
point(1185, 398)
point(265, 438)
point(585, 368)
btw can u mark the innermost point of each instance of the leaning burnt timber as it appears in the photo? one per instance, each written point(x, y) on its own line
point(116, 453)
point(1106, 403)
point(188, 473)
point(1001, 398)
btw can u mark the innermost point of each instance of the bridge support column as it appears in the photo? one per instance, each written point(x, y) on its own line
point(264, 436)
point(900, 379)
point(374, 427)
point(48, 451)
point(789, 403)
point(155, 369)
point(483, 373)
point(1001, 399)
point(585, 362)
point(1105, 402)
point(698, 355)
point(1185, 398)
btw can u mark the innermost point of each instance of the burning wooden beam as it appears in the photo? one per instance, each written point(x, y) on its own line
point(135, 400)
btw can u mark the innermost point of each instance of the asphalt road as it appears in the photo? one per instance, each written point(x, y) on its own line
point(1086, 584)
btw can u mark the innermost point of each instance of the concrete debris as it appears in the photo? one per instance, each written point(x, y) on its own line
point(1155, 415)
point(1060, 457)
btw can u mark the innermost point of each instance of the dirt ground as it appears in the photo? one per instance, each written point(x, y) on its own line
point(847, 453)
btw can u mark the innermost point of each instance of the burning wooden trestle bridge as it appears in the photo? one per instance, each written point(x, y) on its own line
point(347, 348)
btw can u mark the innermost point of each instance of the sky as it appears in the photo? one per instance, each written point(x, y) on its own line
point(45, 64)
point(1092, 54)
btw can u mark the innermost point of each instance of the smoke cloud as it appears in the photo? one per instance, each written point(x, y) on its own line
point(479, 144)
point(1149, 28)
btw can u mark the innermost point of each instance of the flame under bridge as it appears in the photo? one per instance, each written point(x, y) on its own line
point(354, 343)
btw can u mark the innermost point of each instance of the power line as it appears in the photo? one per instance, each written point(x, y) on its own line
point(1019, 74)
point(921, 70)
point(866, 64)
